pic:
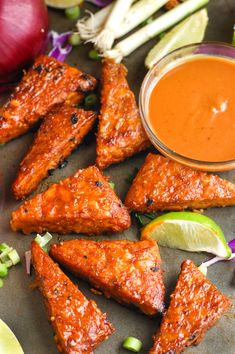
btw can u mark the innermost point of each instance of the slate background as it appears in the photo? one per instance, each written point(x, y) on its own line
point(22, 308)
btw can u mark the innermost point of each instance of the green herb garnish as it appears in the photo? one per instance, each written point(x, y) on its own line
point(133, 344)
point(145, 219)
point(72, 13)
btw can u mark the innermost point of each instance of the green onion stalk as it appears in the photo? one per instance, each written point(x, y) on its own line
point(159, 25)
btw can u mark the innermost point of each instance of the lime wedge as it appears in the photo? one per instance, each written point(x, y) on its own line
point(189, 232)
point(186, 32)
point(63, 4)
point(8, 341)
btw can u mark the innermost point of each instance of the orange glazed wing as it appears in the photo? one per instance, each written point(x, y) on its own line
point(79, 324)
point(48, 83)
point(83, 203)
point(195, 306)
point(120, 132)
point(127, 271)
point(167, 185)
point(60, 132)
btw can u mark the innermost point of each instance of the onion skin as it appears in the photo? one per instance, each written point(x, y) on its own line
point(23, 28)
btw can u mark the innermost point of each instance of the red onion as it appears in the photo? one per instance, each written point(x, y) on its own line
point(28, 261)
point(23, 28)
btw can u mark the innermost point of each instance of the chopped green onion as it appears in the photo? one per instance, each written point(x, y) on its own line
point(74, 39)
point(46, 238)
point(91, 100)
point(112, 185)
point(93, 54)
point(3, 247)
point(4, 255)
point(38, 239)
point(133, 344)
point(72, 13)
point(3, 270)
point(43, 240)
point(8, 258)
point(14, 257)
point(8, 264)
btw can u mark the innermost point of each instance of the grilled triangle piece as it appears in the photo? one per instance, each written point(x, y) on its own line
point(47, 83)
point(162, 184)
point(61, 131)
point(120, 134)
point(128, 271)
point(195, 306)
point(83, 203)
point(78, 323)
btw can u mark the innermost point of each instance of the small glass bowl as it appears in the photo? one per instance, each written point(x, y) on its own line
point(168, 62)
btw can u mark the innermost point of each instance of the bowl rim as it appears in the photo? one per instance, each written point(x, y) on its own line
point(164, 149)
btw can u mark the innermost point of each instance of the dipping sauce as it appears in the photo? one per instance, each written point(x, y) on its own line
point(192, 109)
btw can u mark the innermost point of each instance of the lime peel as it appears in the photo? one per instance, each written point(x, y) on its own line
point(63, 4)
point(188, 231)
point(203, 269)
point(191, 30)
point(8, 341)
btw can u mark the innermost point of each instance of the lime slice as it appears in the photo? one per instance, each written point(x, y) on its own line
point(186, 32)
point(8, 341)
point(63, 4)
point(189, 232)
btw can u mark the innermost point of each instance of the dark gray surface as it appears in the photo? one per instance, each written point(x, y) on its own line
point(22, 308)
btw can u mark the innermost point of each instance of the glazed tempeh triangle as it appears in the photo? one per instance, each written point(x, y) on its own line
point(128, 271)
point(120, 134)
point(61, 131)
point(83, 203)
point(195, 306)
point(162, 184)
point(78, 323)
point(47, 83)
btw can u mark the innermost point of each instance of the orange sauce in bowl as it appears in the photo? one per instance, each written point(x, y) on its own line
point(192, 109)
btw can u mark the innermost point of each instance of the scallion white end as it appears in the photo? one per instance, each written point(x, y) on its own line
point(89, 26)
point(104, 40)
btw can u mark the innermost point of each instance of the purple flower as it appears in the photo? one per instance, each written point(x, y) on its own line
point(100, 3)
point(216, 259)
point(231, 244)
point(60, 47)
